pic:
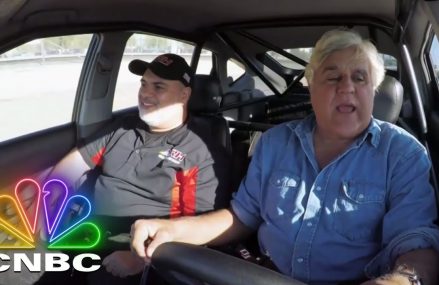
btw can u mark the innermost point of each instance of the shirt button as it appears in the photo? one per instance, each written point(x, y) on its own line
point(300, 260)
point(309, 224)
point(318, 188)
point(137, 151)
point(361, 196)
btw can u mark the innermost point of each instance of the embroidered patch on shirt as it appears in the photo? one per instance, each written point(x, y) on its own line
point(172, 155)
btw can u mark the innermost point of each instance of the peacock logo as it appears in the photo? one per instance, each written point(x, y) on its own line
point(65, 217)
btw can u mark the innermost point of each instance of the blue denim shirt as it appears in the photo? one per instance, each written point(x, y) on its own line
point(349, 220)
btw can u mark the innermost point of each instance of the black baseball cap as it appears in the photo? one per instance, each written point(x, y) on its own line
point(167, 66)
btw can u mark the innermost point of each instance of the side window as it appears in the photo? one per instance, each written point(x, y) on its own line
point(205, 63)
point(235, 69)
point(240, 79)
point(301, 53)
point(434, 58)
point(390, 63)
point(303, 56)
point(38, 82)
point(144, 47)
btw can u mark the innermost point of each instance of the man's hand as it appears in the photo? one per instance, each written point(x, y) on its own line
point(147, 235)
point(372, 282)
point(389, 279)
point(123, 264)
point(9, 214)
point(214, 228)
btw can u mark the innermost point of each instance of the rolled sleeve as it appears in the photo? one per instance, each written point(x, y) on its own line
point(418, 238)
point(93, 148)
point(244, 215)
point(409, 222)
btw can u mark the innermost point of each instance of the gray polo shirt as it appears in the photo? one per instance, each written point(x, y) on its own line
point(181, 172)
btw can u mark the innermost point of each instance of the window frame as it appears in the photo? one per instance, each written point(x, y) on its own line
point(427, 63)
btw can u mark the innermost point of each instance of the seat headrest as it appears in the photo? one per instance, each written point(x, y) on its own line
point(206, 94)
point(388, 100)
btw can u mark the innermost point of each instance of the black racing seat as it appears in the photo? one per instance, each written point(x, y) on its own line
point(204, 104)
point(388, 100)
point(213, 129)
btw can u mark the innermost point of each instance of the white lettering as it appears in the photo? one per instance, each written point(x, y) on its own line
point(59, 259)
point(4, 257)
point(77, 262)
point(20, 258)
point(53, 262)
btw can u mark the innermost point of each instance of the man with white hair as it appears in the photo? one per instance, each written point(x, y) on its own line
point(336, 197)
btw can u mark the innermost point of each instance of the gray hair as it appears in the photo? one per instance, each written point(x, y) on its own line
point(335, 40)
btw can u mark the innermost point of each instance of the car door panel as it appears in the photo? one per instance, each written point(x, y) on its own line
point(29, 155)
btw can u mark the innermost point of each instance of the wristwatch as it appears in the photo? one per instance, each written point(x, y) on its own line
point(411, 276)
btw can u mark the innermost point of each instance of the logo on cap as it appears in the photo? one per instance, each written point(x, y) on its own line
point(164, 60)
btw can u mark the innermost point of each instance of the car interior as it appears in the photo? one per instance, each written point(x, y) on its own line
point(254, 80)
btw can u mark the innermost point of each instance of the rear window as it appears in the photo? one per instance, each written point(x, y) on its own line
point(304, 54)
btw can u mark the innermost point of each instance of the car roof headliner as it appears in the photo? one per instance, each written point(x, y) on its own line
point(185, 16)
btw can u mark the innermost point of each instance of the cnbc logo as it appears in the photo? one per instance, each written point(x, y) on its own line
point(64, 216)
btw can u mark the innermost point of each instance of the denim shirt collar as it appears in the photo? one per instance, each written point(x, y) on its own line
point(305, 129)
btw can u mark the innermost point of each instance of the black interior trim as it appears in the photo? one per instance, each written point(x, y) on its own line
point(213, 267)
point(248, 62)
point(274, 48)
point(249, 126)
point(30, 154)
point(311, 21)
point(288, 74)
point(245, 103)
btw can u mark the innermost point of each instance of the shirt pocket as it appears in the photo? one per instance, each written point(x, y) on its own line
point(359, 210)
point(281, 196)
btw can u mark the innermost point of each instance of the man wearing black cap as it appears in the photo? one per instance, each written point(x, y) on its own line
point(164, 91)
point(156, 164)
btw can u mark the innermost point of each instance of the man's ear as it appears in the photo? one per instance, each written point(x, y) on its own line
point(186, 94)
